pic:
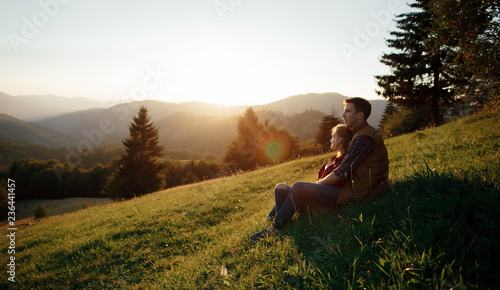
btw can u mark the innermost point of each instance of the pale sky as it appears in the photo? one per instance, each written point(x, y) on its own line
point(233, 52)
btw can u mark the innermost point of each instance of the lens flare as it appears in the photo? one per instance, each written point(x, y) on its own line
point(273, 147)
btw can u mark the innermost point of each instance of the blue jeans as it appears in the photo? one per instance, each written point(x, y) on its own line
point(300, 196)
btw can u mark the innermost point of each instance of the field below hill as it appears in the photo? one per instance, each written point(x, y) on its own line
point(25, 208)
point(437, 230)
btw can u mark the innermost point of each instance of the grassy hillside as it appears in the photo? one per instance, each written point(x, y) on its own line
point(438, 229)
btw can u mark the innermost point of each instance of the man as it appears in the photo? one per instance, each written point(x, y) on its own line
point(365, 168)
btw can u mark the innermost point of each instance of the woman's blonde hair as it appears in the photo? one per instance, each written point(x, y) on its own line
point(343, 131)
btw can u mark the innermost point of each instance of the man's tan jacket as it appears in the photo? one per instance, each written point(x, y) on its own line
point(370, 177)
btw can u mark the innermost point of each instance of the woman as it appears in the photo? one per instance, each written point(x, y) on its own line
point(302, 195)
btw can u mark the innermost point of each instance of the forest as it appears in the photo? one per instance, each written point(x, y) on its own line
point(53, 178)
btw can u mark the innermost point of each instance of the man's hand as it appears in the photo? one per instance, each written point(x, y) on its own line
point(330, 179)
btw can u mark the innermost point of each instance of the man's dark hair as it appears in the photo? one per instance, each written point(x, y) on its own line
point(360, 105)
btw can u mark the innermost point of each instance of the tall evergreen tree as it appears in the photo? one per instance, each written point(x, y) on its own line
point(258, 145)
point(240, 153)
point(389, 111)
point(139, 171)
point(472, 29)
point(249, 126)
point(417, 65)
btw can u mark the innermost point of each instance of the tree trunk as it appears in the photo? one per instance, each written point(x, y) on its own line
point(436, 91)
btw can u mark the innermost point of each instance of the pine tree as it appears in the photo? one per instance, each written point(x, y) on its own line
point(139, 171)
point(240, 153)
point(258, 145)
point(389, 111)
point(249, 126)
point(418, 73)
point(472, 29)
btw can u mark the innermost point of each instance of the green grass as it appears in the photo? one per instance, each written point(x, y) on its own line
point(437, 230)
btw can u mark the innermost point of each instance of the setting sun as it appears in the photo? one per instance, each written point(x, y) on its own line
point(222, 72)
point(224, 52)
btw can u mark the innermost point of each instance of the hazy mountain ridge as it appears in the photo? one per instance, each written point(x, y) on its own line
point(327, 103)
point(197, 126)
point(14, 129)
point(34, 108)
point(211, 134)
point(206, 134)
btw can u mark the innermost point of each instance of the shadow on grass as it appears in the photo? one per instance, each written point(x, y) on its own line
point(433, 230)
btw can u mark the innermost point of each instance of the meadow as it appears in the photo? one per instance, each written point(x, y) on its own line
point(437, 230)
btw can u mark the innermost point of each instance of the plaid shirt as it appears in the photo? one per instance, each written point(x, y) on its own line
point(360, 148)
point(327, 168)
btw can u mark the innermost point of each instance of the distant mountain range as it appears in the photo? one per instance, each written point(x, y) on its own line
point(21, 131)
point(196, 126)
point(34, 108)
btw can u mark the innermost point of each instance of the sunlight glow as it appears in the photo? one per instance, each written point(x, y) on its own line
point(273, 147)
point(223, 72)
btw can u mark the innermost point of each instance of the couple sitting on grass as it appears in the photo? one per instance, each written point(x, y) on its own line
point(358, 171)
